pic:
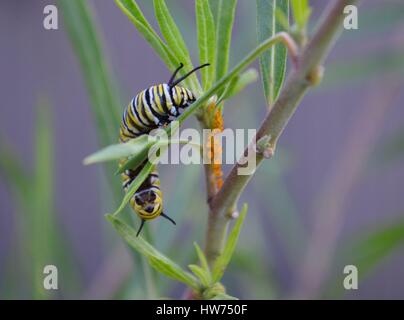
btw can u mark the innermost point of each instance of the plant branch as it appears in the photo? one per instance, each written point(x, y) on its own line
point(281, 37)
point(305, 75)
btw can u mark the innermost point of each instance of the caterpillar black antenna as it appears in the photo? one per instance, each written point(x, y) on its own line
point(187, 75)
point(140, 228)
point(175, 74)
point(167, 217)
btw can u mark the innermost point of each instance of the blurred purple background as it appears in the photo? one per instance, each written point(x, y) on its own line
point(35, 62)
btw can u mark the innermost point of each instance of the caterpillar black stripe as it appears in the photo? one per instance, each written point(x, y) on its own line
point(153, 107)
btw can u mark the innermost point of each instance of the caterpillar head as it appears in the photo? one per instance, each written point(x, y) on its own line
point(149, 204)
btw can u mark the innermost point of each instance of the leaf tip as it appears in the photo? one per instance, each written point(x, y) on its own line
point(110, 217)
point(244, 210)
point(87, 160)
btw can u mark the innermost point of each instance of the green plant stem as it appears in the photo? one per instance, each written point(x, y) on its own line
point(305, 75)
point(281, 37)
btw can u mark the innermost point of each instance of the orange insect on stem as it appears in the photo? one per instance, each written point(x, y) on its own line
point(214, 153)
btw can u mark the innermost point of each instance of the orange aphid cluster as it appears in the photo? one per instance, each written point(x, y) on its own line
point(214, 147)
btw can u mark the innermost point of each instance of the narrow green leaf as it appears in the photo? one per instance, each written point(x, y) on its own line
point(148, 167)
point(105, 103)
point(206, 41)
point(226, 13)
point(272, 62)
point(239, 83)
point(151, 289)
point(42, 238)
point(169, 29)
point(86, 42)
point(202, 275)
point(202, 259)
point(101, 87)
point(136, 150)
point(44, 158)
point(174, 40)
point(134, 186)
point(121, 150)
point(368, 251)
point(13, 171)
point(214, 6)
point(301, 12)
point(42, 215)
point(135, 15)
point(132, 8)
point(371, 249)
point(43, 233)
point(134, 161)
point(282, 19)
point(156, 259)
point(226, 91)
point(224, 259)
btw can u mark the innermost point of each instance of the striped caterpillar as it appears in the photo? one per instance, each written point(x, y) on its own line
point(153, 107)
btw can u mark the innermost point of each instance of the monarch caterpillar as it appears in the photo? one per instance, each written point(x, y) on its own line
point(153, 107)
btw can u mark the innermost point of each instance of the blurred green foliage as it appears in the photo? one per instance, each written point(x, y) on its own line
point(41, 240)
point(40, 237)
